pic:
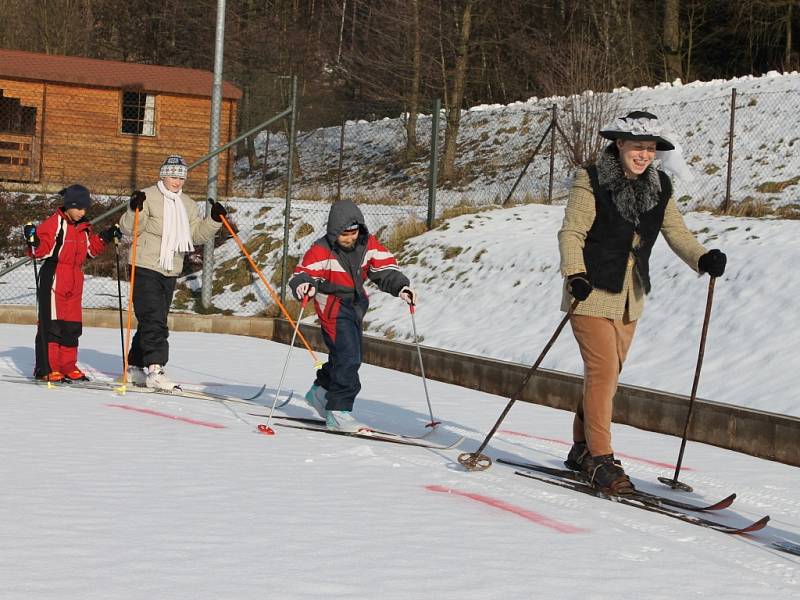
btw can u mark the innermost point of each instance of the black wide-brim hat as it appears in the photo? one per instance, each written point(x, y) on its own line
point(638, 125)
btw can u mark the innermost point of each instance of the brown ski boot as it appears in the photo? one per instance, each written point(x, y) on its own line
point(577, 454)
point(607, 475)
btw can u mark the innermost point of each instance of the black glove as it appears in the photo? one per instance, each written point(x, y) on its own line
point(137, 200)
point(217, 210)
point(29, 231)
point(578, 285)
point(712, 262)
point(111, 233)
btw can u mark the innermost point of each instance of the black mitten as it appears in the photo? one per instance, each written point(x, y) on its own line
point(712, 262)
point(217, 210)
point(29, 231)
point(137, 200)
point(578, 285)
point(110, 233)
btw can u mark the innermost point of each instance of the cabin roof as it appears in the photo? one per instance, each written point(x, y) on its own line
point(33, 66)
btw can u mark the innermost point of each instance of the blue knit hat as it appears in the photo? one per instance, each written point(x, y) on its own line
point(76, 196)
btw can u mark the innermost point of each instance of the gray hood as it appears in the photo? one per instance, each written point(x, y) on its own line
point(343, 213)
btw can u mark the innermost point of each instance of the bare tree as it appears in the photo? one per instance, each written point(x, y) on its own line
point(457, 81)
point(672, 40)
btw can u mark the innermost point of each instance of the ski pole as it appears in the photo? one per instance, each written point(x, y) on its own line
point(257, 271)
point(119, 302)
point(433, 423)
point(266, 429)
point(475, 461)
point(121, 389)
point(31, 239)
point(674, 483)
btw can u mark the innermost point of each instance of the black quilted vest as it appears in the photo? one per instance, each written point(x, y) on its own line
point(609, 242)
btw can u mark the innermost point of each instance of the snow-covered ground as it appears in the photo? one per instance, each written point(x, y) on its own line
point(489, 284)
point(141, 497)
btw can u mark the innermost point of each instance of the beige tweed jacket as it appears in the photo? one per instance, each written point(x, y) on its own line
point(578, 219)
point(151, 223)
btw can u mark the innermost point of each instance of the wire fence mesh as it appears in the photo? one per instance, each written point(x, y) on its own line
point(505, 155)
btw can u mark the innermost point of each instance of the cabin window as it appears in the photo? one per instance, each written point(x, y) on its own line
point(138, 113)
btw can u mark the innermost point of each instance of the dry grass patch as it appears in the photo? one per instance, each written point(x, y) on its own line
point(402, 232)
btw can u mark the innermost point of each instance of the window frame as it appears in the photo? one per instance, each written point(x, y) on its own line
point(150, 99)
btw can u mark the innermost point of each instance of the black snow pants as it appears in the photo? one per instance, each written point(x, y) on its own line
point(152, 298)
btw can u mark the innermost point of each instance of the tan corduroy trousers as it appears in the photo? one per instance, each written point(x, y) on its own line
point(604, 344)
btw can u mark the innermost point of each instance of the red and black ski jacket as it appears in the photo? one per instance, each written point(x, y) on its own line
point(64, 247)
point(339, 274)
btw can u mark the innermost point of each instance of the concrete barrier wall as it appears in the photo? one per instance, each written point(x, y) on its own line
point(95, 317)
point(762, 434)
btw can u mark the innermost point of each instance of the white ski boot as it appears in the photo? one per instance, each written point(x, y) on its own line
point(343, 420)
point(157, 379)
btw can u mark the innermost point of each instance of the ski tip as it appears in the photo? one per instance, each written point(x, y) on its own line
point(263, 429)
point(757, 525)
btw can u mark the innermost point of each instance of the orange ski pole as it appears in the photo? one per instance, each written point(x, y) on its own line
point(317, 362)
point(123, 387)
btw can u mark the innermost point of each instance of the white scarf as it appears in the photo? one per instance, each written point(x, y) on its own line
point(175, 234)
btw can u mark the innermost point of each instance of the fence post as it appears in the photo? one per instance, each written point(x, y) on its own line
point(726, 202)
point(341, 160)
point(554, 120)
point(213, 142)
point(433, 170)
point(289, 171)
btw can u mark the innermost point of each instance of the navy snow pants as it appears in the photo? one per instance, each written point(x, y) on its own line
point(339, 376)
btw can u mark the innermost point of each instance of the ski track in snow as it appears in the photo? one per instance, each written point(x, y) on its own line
point(100, 502)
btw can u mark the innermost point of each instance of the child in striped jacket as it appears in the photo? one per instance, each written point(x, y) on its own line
point(333, 272)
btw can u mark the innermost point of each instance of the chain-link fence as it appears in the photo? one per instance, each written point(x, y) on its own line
point(505, 155)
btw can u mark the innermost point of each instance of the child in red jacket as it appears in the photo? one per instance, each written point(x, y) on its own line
point(63, 241)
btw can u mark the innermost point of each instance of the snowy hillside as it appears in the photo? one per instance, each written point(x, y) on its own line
point(489, 284)
point(495, 141)
point(139, 497)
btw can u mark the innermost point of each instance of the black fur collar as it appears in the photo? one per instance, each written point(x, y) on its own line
point(632, 197)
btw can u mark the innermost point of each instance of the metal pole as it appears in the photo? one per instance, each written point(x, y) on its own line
point(213, 142)
point(341, 160)
point(674, 483)
point(730, 152)
point(434, 174)
point(552, 155)
point(289, 171)
point(475, 461)
point(528, 164)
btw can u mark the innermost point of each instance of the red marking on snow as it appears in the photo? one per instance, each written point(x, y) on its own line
point(654, 463)
point(149, 411)
point(530, 515)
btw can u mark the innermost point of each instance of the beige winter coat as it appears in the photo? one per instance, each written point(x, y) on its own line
point(579, 218)
point(151, 223)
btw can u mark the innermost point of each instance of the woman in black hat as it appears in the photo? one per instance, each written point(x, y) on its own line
point(63, 240)
point(616, 209)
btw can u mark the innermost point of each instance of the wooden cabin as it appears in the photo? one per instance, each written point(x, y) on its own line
point(105, 124)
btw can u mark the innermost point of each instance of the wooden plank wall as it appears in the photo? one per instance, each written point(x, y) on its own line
point(83, 142)
point(29, 94)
